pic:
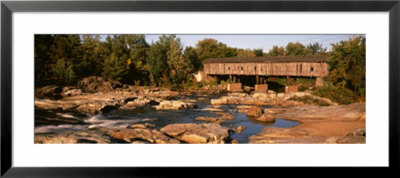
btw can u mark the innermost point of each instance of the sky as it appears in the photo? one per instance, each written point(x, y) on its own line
point(265, 42)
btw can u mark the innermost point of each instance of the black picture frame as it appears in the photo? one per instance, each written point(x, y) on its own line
point(8, 7)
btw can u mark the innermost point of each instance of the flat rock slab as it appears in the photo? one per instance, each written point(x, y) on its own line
point(197, 133)
point(73, 138)
point(139, 134)
point(312, 132)
point(223, 117)
point(319, 124)
point(352, 112)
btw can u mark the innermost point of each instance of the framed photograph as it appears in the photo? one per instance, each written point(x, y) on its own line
point(113, 88)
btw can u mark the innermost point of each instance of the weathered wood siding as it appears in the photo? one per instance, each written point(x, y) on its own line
point(301, 69)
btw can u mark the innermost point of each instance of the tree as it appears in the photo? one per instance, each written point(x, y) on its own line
point(347, 65)
point(192, 58)
point(295, 49)
point(258, 52)
point(42, 58)
point(93, 55)
point(211, 48)
point(246, 53)
point(114, 68)
point(276, 51)
point(316, 49)
point(63, 72)
point(176, 62)
point(158, 59)
point(138, 49)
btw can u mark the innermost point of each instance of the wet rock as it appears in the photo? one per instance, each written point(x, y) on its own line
point(243, 108)
point(138, 126)
point(141, 126)
point(73, 137)
point(266, 117)
point(139, 134)
point(139, 102)
point(197, 133)
point(209, 119)
point(96, 108)
point(254, 111)
point(223, 116)
point(175, 105)
point(213, 109)
point(220, 101)
point(356, 136)
point(49, 92)
point(239, 129)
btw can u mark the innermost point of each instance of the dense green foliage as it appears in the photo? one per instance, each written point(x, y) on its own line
point(211, 48)
point(65, 59)
point(346, 79)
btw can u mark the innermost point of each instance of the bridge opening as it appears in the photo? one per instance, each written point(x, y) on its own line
point(275, 83)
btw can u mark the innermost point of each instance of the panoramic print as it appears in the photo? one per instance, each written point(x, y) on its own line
point(199, 88)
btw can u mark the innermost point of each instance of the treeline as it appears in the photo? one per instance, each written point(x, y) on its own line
point(130, 59)
point(64, 59)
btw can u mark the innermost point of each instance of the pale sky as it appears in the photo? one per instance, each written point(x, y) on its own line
point(264, 42)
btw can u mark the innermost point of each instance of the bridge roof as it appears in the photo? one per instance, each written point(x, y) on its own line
point(268, 59)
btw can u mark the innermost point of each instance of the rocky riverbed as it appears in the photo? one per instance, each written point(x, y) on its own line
point(128, 114)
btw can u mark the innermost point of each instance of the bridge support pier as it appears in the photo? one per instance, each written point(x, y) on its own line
point(261, 88)
point(234, 87)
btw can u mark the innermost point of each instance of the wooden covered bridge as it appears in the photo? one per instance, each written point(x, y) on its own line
point(262, 67)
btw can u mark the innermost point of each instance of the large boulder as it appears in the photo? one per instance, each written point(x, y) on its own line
point(71, 91)
point(254, 112)
point(197, 133)
point(266, 117)
point(97, 107)
point(139, 135)
point(239, 129)
point(97, 84)
point(175, 105)
point(355, 136)
point(49, 92)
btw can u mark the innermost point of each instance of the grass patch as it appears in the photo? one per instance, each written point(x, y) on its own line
point(336, 94)
point(310, 100)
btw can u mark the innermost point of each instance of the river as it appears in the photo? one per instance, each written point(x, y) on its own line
point(54, 121)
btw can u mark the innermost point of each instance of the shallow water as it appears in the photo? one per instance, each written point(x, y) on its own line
point(124, 118)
